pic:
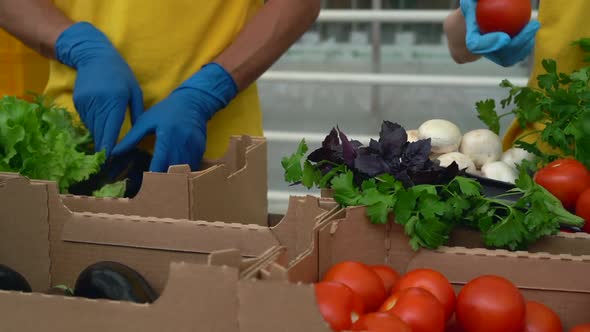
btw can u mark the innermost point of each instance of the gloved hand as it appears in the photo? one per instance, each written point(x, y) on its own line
point(180, 120)
point(498, 47)
point(104, 86)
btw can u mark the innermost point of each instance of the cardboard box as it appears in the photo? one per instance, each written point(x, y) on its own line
point(50, 245)
point(197, 297)
point(559, 281)
point(239, 178)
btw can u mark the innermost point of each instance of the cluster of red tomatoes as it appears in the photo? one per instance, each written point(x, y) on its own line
point(569, 181)
point(354, 296)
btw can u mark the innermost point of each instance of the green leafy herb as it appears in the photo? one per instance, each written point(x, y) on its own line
point(561, 103)
point(116, 189)
point(68, 291)
point(429, 213)
point(292, 164)
point(40, 141)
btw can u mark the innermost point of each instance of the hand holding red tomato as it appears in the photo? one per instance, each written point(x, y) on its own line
point(507, 41)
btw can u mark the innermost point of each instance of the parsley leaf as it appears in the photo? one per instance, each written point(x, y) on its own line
point(292, 164)
point(345, 192)
point(487, 114)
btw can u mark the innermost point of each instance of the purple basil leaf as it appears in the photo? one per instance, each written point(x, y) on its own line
point(375, 146)
point(403, 176)
point(417, 154)
point(331, 141)
point(370, 164)
point(331, 149)
point(356, 144)
point(393, 138)
point(348, 150)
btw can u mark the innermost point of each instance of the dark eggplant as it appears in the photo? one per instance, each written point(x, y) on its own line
point(10, 280)
point(113, 281)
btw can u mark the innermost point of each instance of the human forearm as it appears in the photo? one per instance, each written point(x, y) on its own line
point(455, 30)
point(38, 23)
point(266, 37)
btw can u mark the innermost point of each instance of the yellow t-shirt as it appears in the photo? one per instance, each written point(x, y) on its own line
point(562, 22)
point(165, 42)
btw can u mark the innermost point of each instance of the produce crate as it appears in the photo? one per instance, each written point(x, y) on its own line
point(239, 180)
point(197, 297)
point(49, 244)
point(559, 281)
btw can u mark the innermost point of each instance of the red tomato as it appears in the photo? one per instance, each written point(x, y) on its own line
point(509, 16)
point(435, 283)
point(490, 304)
point(540, 318)
point(390, 302)
point(362, 280)
point(380, 322)
point(337, 304)
point(581, 328)
point(453, 326)
point(566, 179)
point(419, 309)
point(388, 275)
point(583, 209)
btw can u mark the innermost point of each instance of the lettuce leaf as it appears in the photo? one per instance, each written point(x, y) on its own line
point(39, 140)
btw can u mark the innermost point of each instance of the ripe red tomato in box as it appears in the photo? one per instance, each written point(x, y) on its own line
point(418, 308)
point(380, 322)
point(566, 179)
point(583, 209)
point(435, 283)
point(540, 318)
point(489, 304)
point(509, 16)
point(338, 304)
point(388, 275)
point(362, 280)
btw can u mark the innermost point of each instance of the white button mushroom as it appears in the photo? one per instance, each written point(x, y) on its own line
point(413, 135)
point(462, 161)
point(445, 136)
point(514, 156)
point(499, 170)
point(482, 146)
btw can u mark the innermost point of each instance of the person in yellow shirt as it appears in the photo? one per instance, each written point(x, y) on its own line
point(184, 69)
point(558, 25)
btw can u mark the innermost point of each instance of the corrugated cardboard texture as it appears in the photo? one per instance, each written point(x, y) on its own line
point(146, 244)
point(196, 298)
point(24, 231)
point(558, 280)
point(272, 306)
point(562, 243)
point(238, 179)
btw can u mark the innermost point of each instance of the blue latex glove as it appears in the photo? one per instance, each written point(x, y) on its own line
point(498, 46)
point(180, 120)
point(105, 85)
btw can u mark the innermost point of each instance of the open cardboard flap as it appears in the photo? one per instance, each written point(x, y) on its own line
point(40, 234)
point(559, 281)
point(196, 297)
point(238, 179)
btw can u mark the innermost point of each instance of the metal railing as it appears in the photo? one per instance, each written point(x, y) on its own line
point(384, 16)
